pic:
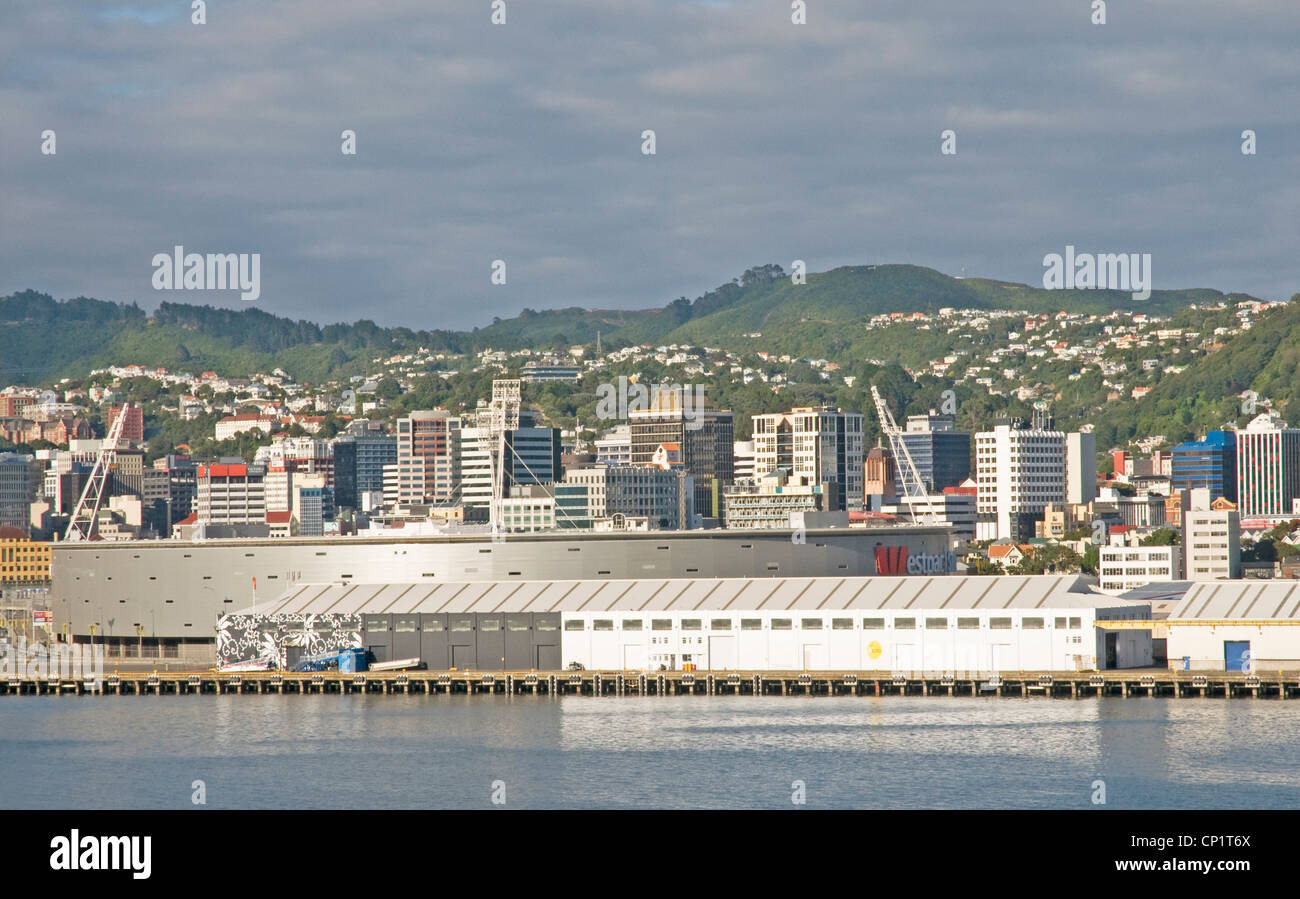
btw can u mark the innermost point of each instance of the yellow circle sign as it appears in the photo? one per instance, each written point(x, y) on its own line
point(874, 650)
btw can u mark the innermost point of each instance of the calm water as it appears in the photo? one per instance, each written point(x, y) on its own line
point(683, 752)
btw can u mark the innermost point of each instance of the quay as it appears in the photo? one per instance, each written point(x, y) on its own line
point(1060, 684)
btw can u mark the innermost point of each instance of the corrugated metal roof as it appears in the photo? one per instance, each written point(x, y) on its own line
point(701, 594)
point(1248, 600)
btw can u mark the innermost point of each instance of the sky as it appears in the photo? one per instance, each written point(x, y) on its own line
point(522, 142)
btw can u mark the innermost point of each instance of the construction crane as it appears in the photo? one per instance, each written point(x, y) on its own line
point(913, 488)
point(96, 489)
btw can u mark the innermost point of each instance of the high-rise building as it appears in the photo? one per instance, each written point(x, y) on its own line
point(1080, 468)
point(879, 479)
point(22, 478)
point(1268, 467)
point(1019, 471)
point(940, 453)
point(704, 433)
point(434, 437)
point(532, 456)
point(132, 428)
point(232, 494)
point(820, 445)
point(1210, 463)
point(359, 466)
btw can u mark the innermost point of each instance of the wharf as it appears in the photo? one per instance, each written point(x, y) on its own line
point(1066, 684)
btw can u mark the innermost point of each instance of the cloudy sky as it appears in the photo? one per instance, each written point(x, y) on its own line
point(522, 142)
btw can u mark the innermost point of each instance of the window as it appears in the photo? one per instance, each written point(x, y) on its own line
point(603, 624)
point(1075, 623)
point(691, 624)
point(780, 624)
point(873, 624)
point(1059, 622)
point(810, 624)
point(1031, 624)
point(904, 624)
point(632, 624)
point(575, 625)
point(936, 624)
point(841, 624)
point(751, 624)
point(661, 624)
point(720, 624)
point(968, 624)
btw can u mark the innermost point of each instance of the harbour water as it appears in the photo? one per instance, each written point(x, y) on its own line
point(375, 751)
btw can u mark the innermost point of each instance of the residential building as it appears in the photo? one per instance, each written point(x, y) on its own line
point(132, 427)
point(233, 425)
point(743, 468)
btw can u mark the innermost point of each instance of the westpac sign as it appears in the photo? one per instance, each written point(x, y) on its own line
point(896, 560)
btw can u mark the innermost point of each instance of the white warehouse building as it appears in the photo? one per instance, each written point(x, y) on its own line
point(1236, 626)
point(897, 624)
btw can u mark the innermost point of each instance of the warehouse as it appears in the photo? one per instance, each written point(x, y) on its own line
point(1236, 626)
point(903, 624)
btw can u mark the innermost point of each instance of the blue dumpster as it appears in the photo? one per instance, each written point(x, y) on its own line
point(1187, 663)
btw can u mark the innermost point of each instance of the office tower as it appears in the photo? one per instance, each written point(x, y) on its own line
point(1019, 471)
point(704, 433)
point(1268, 467)
point(814, 445)
point(1080, 468)
point(940, 453)
point(359, 466)
point(1210, 463)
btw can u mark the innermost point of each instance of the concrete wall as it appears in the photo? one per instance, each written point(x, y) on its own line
point(179, 589)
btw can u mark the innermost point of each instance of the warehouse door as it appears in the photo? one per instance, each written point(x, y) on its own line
point(519, 642)
point(814, 657)
point(1236, 655)
point(1112, 649)
point(634, 658)
point(904, 657)
point(1002, 657)
point(548, 657)
point(722, 653)
point(462, 657)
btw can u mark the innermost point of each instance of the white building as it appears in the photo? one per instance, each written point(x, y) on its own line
point(666, 497)
point(1268, 467)
point(232, 425)
point(1211, 541)
point(615, 447)
point(1236, 626)
point(1080, 468)
point(821, 444)
point(743, 468)
point(231, 494)
point(1123, 568)
point(1019, 471)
